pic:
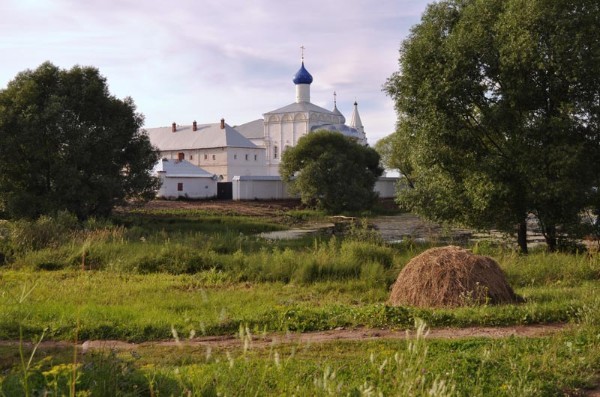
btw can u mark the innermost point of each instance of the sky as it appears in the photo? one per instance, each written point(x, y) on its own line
point(186, 60)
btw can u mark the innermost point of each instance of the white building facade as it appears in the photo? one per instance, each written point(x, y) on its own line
point(283, 127)
point(217, 148)
point(180, 178)
point(254, 149)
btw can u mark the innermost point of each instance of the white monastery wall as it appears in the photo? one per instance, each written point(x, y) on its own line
point(173, 187)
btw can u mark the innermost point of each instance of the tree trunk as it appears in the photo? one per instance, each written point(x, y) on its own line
point(522, 236)
point(550, 236)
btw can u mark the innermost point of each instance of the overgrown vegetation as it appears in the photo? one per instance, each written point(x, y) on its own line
point(145, 274)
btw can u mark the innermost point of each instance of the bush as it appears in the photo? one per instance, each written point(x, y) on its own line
point(45, 232)
point(361, 231)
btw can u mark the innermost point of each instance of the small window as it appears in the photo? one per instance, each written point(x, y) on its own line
point(180, 156)
point(206, 157)
point(235, 156)
point(214, 157)
point(246, 157)
point(275, 152)
point(180, 187)
point(255, 157)
point(191, 157)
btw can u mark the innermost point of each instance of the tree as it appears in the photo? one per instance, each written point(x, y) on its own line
point(67, 144)
point(331, 171)
point(393, 156)
point(498, 106)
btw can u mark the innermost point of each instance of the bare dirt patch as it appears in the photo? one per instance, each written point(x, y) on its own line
point(249, 208)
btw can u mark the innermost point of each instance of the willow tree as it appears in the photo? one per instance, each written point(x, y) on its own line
point(498, 106)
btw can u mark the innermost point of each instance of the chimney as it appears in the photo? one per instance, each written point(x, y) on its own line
point(194, 126)
point(173, 127)
point(222, 124)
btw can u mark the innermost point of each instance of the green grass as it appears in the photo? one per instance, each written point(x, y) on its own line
point(147, 273)
point(547, 366)
point(109, 305)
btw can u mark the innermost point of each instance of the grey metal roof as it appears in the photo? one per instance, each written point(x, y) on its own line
point(355, 121)
point(207, 136)
point(252, 130)
point(337, 112)
point(300, 107)
point(180, 169)
point(343, 128)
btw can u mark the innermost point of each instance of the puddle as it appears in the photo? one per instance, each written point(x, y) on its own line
point(403, 227)
point(298, 233)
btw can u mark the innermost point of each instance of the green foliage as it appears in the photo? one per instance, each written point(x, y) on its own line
point(196, 275)
point(101, 373)
point(498, 113)
point(217, 278)
point(550, 268)
point(288, 293)
point(555, 365)
point(393, 150)
point(66, 144)
point(45, 232)
point(332, 172)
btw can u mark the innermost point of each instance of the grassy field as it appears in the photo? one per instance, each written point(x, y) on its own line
point(149, 274)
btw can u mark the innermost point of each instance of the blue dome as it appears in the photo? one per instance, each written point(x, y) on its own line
point(302, 76)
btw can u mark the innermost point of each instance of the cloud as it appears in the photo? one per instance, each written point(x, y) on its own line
point(203, 60)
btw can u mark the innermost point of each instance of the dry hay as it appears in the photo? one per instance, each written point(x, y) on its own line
point(449, 277)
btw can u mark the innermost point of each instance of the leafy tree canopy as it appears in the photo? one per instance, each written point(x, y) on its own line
point(67, 144)
point(498, 106)
point(331, 171)
point(391, 149)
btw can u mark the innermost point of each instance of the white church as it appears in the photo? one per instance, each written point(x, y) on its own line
point(251, 151)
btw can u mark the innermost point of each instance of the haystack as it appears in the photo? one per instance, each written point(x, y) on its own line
point(450, 277)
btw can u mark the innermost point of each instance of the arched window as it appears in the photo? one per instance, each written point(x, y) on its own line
point(275, 152)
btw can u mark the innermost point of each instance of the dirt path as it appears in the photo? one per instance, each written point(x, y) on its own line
point(263, 208)
point(358, 334)
point(342, 334)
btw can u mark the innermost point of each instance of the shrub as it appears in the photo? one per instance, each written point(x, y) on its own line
point(362, 231)
point(45, 232)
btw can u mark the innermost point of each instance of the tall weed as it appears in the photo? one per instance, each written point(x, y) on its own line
point(45, 232)
point(544, 268)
